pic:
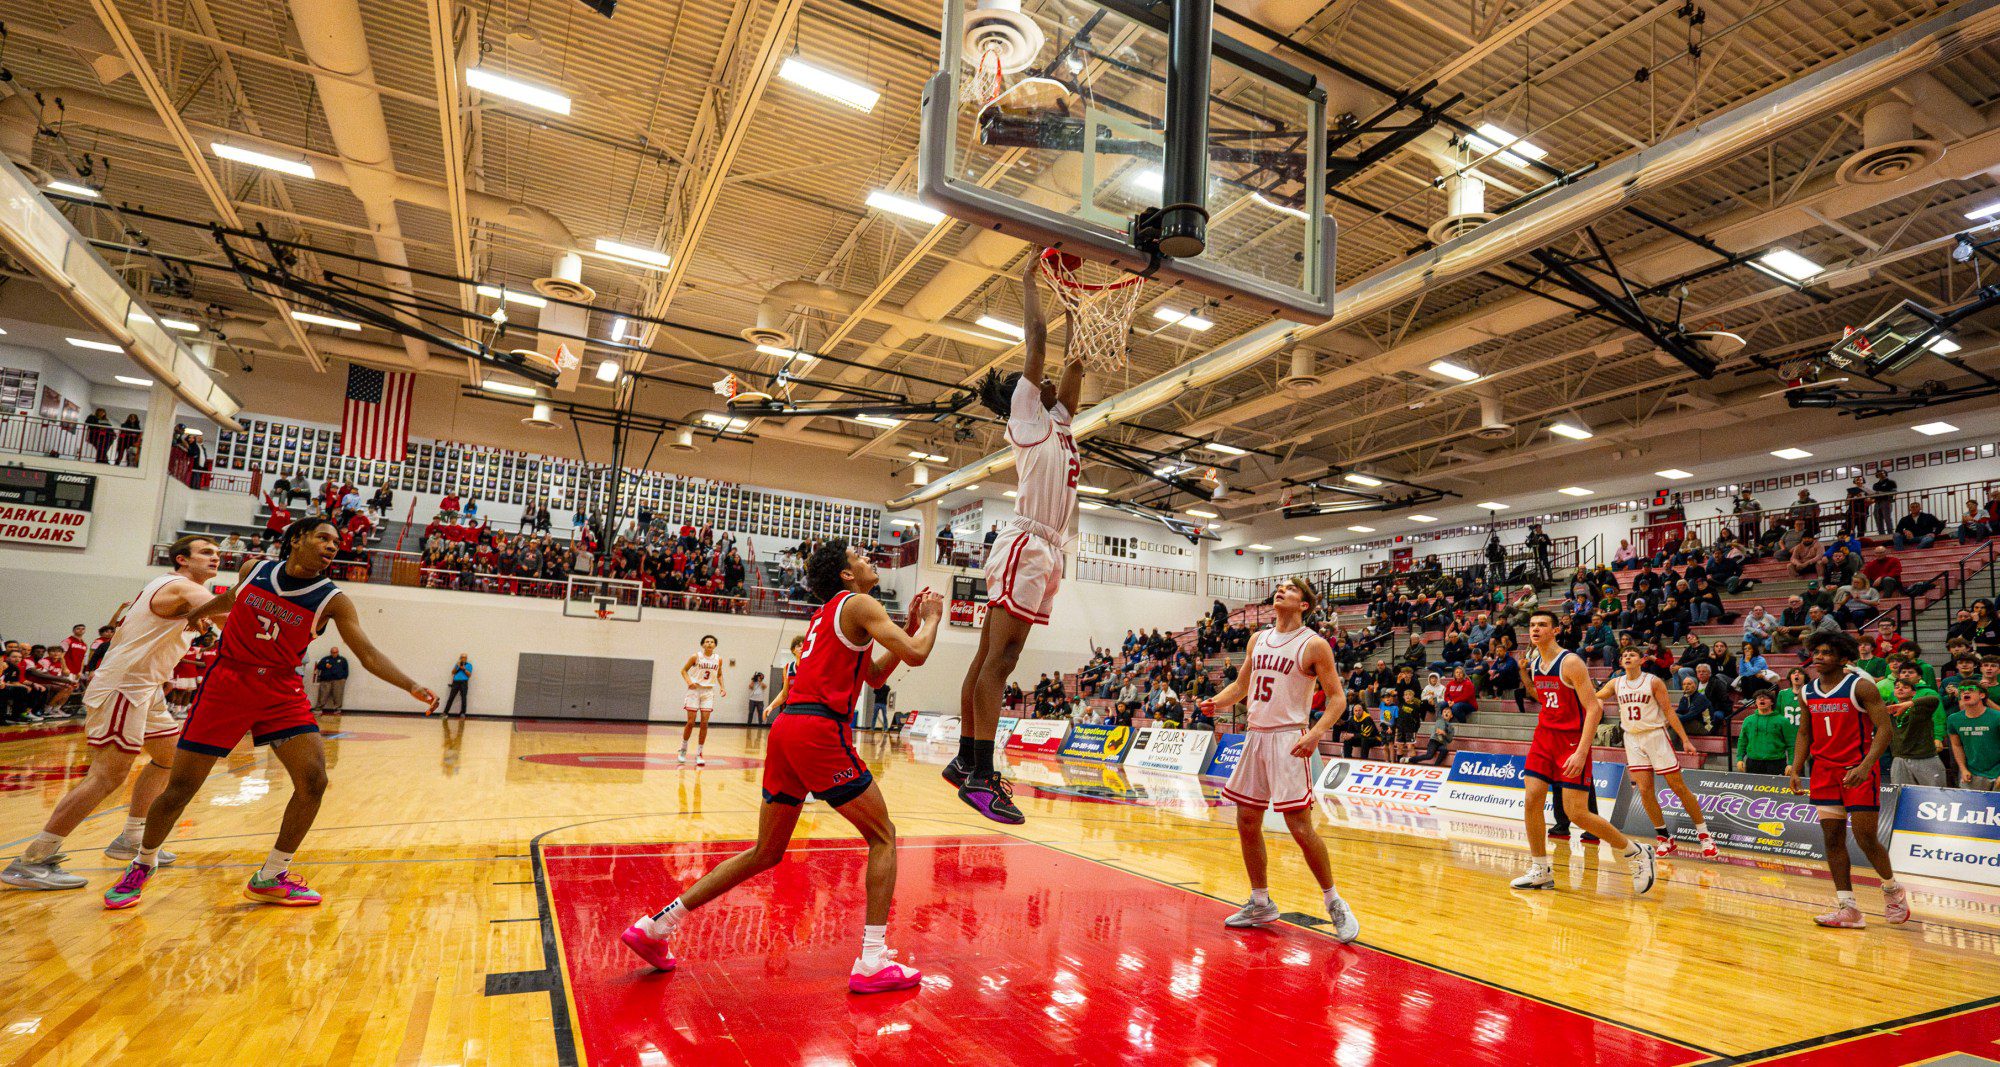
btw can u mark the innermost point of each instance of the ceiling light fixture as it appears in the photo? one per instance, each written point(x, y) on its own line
point(1986, 212)
point(717, 421)
point(1089, 506)
point(1575, 431)
point(1362, 480)
point(1492, 505)
point(1281, 209)
point(295, 167)
point(1221, 449)
point(607, 371)
point(1447, 369)
point(1093, 490)
point(883, 421)
point(1258, 548)
point(1001, 326)
point(1200, 513)
point(536, 96)
point(618, 328)
point(72, 189)
point(94, 346)
point(1362, 529)
point(791, 354)
point(633, 254)
point(1945, 346)
point(1423, 518)
point(143, 383)
point(1513, 151)
point(512, 296)
point(828, 84)
point(909, 209)
point(495, 386)
point(317, 319)
point(1151, 181)
point(1672, 474)
point(1576, 490)
point(1792, 453)
point(1933, 429)
point(1177, 317)
point(1787, 264)
point(1307, 538)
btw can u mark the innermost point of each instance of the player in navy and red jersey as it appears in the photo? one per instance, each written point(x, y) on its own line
point(811, 751)
point(1559, 756)
point(257, 686)
point(1847, 730)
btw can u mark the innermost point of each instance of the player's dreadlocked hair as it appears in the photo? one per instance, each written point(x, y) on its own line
point(297, 532)
point(996, 391)
point(823, 569)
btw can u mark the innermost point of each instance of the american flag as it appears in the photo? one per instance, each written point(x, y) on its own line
point(375, 423)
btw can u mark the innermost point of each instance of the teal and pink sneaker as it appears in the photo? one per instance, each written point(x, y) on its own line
point(125, 893)
point(286, 891)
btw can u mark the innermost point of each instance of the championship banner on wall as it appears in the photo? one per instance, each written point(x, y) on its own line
point(1494, 783)
point(1161, 749)
point(1038, 735)
point(1405, 783)
point(921, 725)
point(1097, 744)
point(1951, 833)
point(1228, 748)
point(1752, 812)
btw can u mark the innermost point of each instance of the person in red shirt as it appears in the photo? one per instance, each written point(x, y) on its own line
point(281, 517)
point(75, 650)
point(1888, 640)
point(1884, 571)
point(1461, 696)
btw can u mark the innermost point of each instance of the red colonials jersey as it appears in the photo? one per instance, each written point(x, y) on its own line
point(1560, 708)
point(831, 669)
point(1841, 730)
point(274, 618)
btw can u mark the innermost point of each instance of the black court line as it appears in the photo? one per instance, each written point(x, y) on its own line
point(500, 985)
point(528, 881)
point(1823, 1040)
point(1426, 964)
point(524, 919)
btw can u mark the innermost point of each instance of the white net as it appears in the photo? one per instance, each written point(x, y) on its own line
point(984, 76)
point(1100, 301)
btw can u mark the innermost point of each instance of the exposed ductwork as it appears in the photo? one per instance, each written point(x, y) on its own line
point(1493, 424)
point(1304, 373)
point(1890, 148)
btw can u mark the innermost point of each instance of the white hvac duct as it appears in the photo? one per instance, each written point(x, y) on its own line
point(1749, 125)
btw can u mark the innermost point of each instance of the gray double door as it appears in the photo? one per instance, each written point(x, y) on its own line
point(583, 687)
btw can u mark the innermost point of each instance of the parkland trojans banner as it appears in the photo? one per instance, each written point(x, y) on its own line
point(1161, 749)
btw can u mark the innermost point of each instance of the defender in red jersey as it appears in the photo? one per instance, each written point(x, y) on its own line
point(1845, 732)
point(811, 751)
point(1559, 757)
point(257, 686)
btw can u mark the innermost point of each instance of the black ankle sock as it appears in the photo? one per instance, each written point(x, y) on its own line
point(982, 757)
point(965, 751)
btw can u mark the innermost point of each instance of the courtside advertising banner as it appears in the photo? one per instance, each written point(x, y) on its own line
point(921, 725)
point(1402, 783)
point(1098, 744)
point(1038, 735)
point(945, 728)
point(1228, 748)
point(1161, 749)
point(1752, 812)
point(1006, 730)
point(1494, 783)
point(1950, 833)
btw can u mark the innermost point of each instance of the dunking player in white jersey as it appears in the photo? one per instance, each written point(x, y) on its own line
point(1274, 770)
point(703, 675)
point(1643, 716)
point(1024, 564)
point(127, 713)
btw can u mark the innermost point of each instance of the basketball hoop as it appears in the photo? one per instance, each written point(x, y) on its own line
point(1100, 301)
point(999, 40)
point(735, 395)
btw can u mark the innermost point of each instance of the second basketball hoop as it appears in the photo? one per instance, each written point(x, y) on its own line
point(1100, 301)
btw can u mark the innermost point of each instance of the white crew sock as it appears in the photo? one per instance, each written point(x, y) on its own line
point(275, 864)
point(135, 828)
point(1329, 895)
point(664, 922)
point(42, 847)
point(1845, 898)
point(874, 942)
point(148, 857)
point(1701, 829)
point(1890, 885)
point(1632, 850)
point(1260, 896)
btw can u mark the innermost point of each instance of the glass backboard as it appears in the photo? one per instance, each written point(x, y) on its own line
point(1046, 121)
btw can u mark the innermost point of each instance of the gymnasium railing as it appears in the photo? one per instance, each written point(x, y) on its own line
point(32, 435)
point(1947, 502)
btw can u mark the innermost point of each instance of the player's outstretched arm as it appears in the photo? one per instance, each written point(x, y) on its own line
point(912, 646)
point(216, 605)
point(1034, 327)
point(341, 609)
point(1069, 391)
point(1878, 713)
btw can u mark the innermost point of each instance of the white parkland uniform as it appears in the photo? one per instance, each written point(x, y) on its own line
point(1025, 565)
point(125, 702)
point(1645, 724)
point(1280, 699)
point(701, 695)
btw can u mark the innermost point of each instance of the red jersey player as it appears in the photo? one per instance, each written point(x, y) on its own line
point(1024, 564)
point(811, 751)
point(1559, 756)
point(257, 686)
point(1847, 730)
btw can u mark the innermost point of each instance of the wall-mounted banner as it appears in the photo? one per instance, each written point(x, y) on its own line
point(1161, 749)
point(1098, 744)
point(1038, 735)
point(1951, 833)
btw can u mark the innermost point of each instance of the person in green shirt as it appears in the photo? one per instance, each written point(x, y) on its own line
point(1912, 654)
point(1790, 701)
point(1913, 712)
point(1765, 742)
point(1975, 740)
point(1875, 665)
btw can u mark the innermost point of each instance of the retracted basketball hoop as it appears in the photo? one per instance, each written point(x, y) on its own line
point(735, 394)
point(1100, 301)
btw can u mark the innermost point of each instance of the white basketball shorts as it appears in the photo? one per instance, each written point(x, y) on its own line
point(1267, 775)
point(126, 720)
point(1650, 750)
point(699, 700)
point(1023, 571)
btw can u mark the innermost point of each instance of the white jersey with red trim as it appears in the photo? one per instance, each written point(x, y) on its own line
point(144, 649)
point(706, 669)
point(1045, 460)
point(1638, 711)
point(1280, 689)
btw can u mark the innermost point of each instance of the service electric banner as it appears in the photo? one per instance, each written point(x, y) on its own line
point(1494, 783)
point(1950, 833)
point(1097, 744)
point(1161, 749)
point(1228, 749)
point(1038, 735)
point(1357, 779)
point(1752, 812)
